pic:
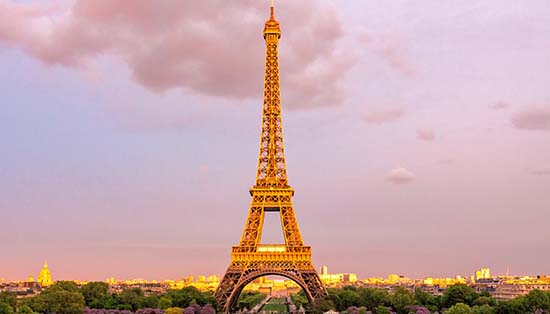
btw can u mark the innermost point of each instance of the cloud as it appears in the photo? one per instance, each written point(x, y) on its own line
point(400, 176)
point(382, 116)
point(534, 118)
point(396, 58)
point(425, 134)
point(499, 105)
point(540, 172)
point(390, 48)
point(209, 47)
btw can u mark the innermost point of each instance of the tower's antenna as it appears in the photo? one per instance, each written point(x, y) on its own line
point(272, 8)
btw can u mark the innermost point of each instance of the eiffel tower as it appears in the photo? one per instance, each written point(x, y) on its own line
point(250, 259)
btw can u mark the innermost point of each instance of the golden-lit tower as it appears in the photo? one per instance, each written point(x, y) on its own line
point(271, 193)
point(45, 277)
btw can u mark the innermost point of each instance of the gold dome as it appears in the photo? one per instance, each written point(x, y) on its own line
point(45, 277)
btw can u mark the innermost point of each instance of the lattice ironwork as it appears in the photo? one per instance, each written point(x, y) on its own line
point(250, 259)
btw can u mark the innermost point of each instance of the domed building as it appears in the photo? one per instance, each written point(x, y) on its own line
point(45, 277)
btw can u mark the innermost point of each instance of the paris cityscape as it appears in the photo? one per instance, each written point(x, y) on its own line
point(415, 170)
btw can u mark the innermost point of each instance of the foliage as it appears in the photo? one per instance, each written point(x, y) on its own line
point(382, 310)
point(189, 310)
point(322, 305)
point(208, 309)
point(5, 308)
point(149, 311)
point(9, 298)
point(485, 300)
point(416, 309)
point(249, 300)
point(173, 310)
point(372, 297)
point(130, 299)
point(483, 309)
point(24, 309)
point(424, 298)
point(459, 308)
point(400, 299)
point(69, 286)
point(95, 292)
point(165, 303)
point(537, 300)
point(190, 295)
point(151, 301)
point(459, 293)
point(63, 297)
point(515, 306)
point(110, 311)
point(299, 299)
point(276, 305)
point(348, 298)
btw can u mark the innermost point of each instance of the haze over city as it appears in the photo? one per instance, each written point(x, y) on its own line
point(417, 135)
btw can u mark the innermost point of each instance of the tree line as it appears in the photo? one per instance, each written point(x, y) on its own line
point(94, 298)
point(66, 297)
point(457, 299)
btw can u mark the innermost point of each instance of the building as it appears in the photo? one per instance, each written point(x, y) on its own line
point(45, 277)
point(512, 287)
point(336, 279)
point(484, 273)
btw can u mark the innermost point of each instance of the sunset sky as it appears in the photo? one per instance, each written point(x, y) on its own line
point(417, 134)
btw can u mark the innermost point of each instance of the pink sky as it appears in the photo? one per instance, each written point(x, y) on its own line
point(417, 134)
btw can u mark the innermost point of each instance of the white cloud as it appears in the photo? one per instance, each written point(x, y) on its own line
point(382, 116)
point(400, 176)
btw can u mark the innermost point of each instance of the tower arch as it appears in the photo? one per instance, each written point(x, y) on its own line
point(253, 275)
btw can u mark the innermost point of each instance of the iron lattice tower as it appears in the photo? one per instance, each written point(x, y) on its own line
point(250, 259)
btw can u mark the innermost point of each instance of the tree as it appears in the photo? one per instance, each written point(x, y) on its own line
point(459, 293)
point(146, 311)
point(322, 305)
point(5, 308)
point(515, 306)
point(65, 286)
point(9, 298)
point(483, 309)
point(424, 298)
point(173, 310)
point(24, 309)
point(485, 300)
point(131, 299)
point(208, 309)
point(348, 298)
point(189, 310)
point(416, 309)
point(372, 297)
point(150, 301)
point(184, 297)
point(57, 300)
point(400, 299)
point(537, 300)
point(299, 299)
point(459, 308)
point(382, 310)
point(164, 303)
point(95, 292)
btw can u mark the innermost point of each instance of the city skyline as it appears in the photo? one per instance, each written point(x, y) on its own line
point(415, 147)
point(44, 272)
